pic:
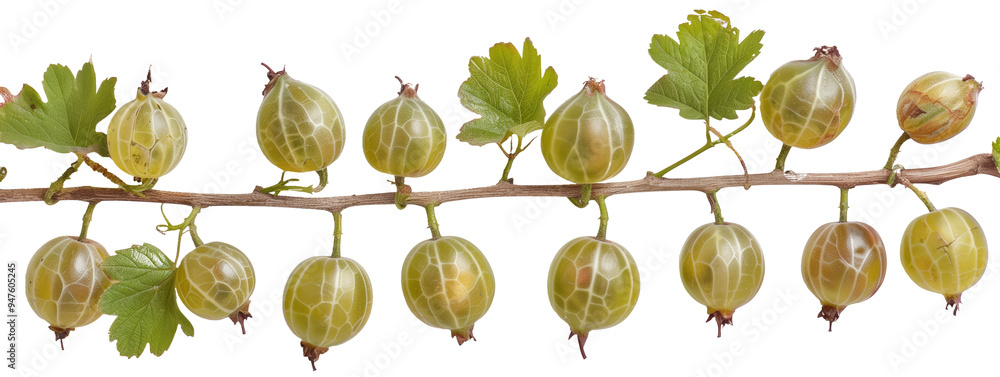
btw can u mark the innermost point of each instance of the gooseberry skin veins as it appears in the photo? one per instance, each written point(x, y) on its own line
point(589, 138)
point(147, 137)
point(327, 300)
point(64, 282)
point(843, 263)
point(593, 284)
point(404, 137)
point(808, 103)
point(944, 252)
point(937, 106)
point(214, 280)
point(299, 127)
point(448, 284)
point(722, 266)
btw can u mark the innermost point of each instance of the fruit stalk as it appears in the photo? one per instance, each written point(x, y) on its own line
point(602, 230)
point(193, 231)
point(402, 191)
point(713, 201)
point(923, 198)
point(337, 232)
point(432, 221)
point(585, 194)
point(843, 204)
point(895, 150)
point(779, 165)
point(185, 226)
point(324, 178)
point(87, 217)
point(920, 194)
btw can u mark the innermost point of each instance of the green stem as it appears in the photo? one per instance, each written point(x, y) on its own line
point(843, 204)
point(193, 230)
point(188, 221)
point(187, 224)
point(923, 197)
point(710, 144)
point(57, 185)
point(506, 169)
point(584, 198)
point(324, 178)
point(432, 221)
point(895, 150)
point(337, 232)
point(402, 192)
point(510, 158)
point(177, 254)
point(602, 231)
point(87, 217)
point(144, 185)
point(107, 174)
point(708, 130)
point(779, 165)
point(282, 185)
point(713, 200)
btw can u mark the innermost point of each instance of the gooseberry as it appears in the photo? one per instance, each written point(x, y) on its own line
point(147, 136)
point(944, 251)
point(327, 301)
point(64, 283)
point(299, 127)
point(448, 284)
point(722, 267)
point(808, 103)
point(404, 137)
point(215, 281)
point(589, 138)
point(937, 106)
point(843, 263)
point(593, 284)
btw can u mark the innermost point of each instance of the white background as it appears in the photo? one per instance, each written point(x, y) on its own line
point(208, 53)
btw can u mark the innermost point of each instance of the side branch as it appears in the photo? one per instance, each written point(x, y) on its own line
point(977, 164)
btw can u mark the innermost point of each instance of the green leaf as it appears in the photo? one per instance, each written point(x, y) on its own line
point(68, 121)
point(702, 67)
point(144, 301)
point(996, 153)
point(507, 91)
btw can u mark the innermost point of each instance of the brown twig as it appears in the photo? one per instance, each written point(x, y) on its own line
point(977, 164)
